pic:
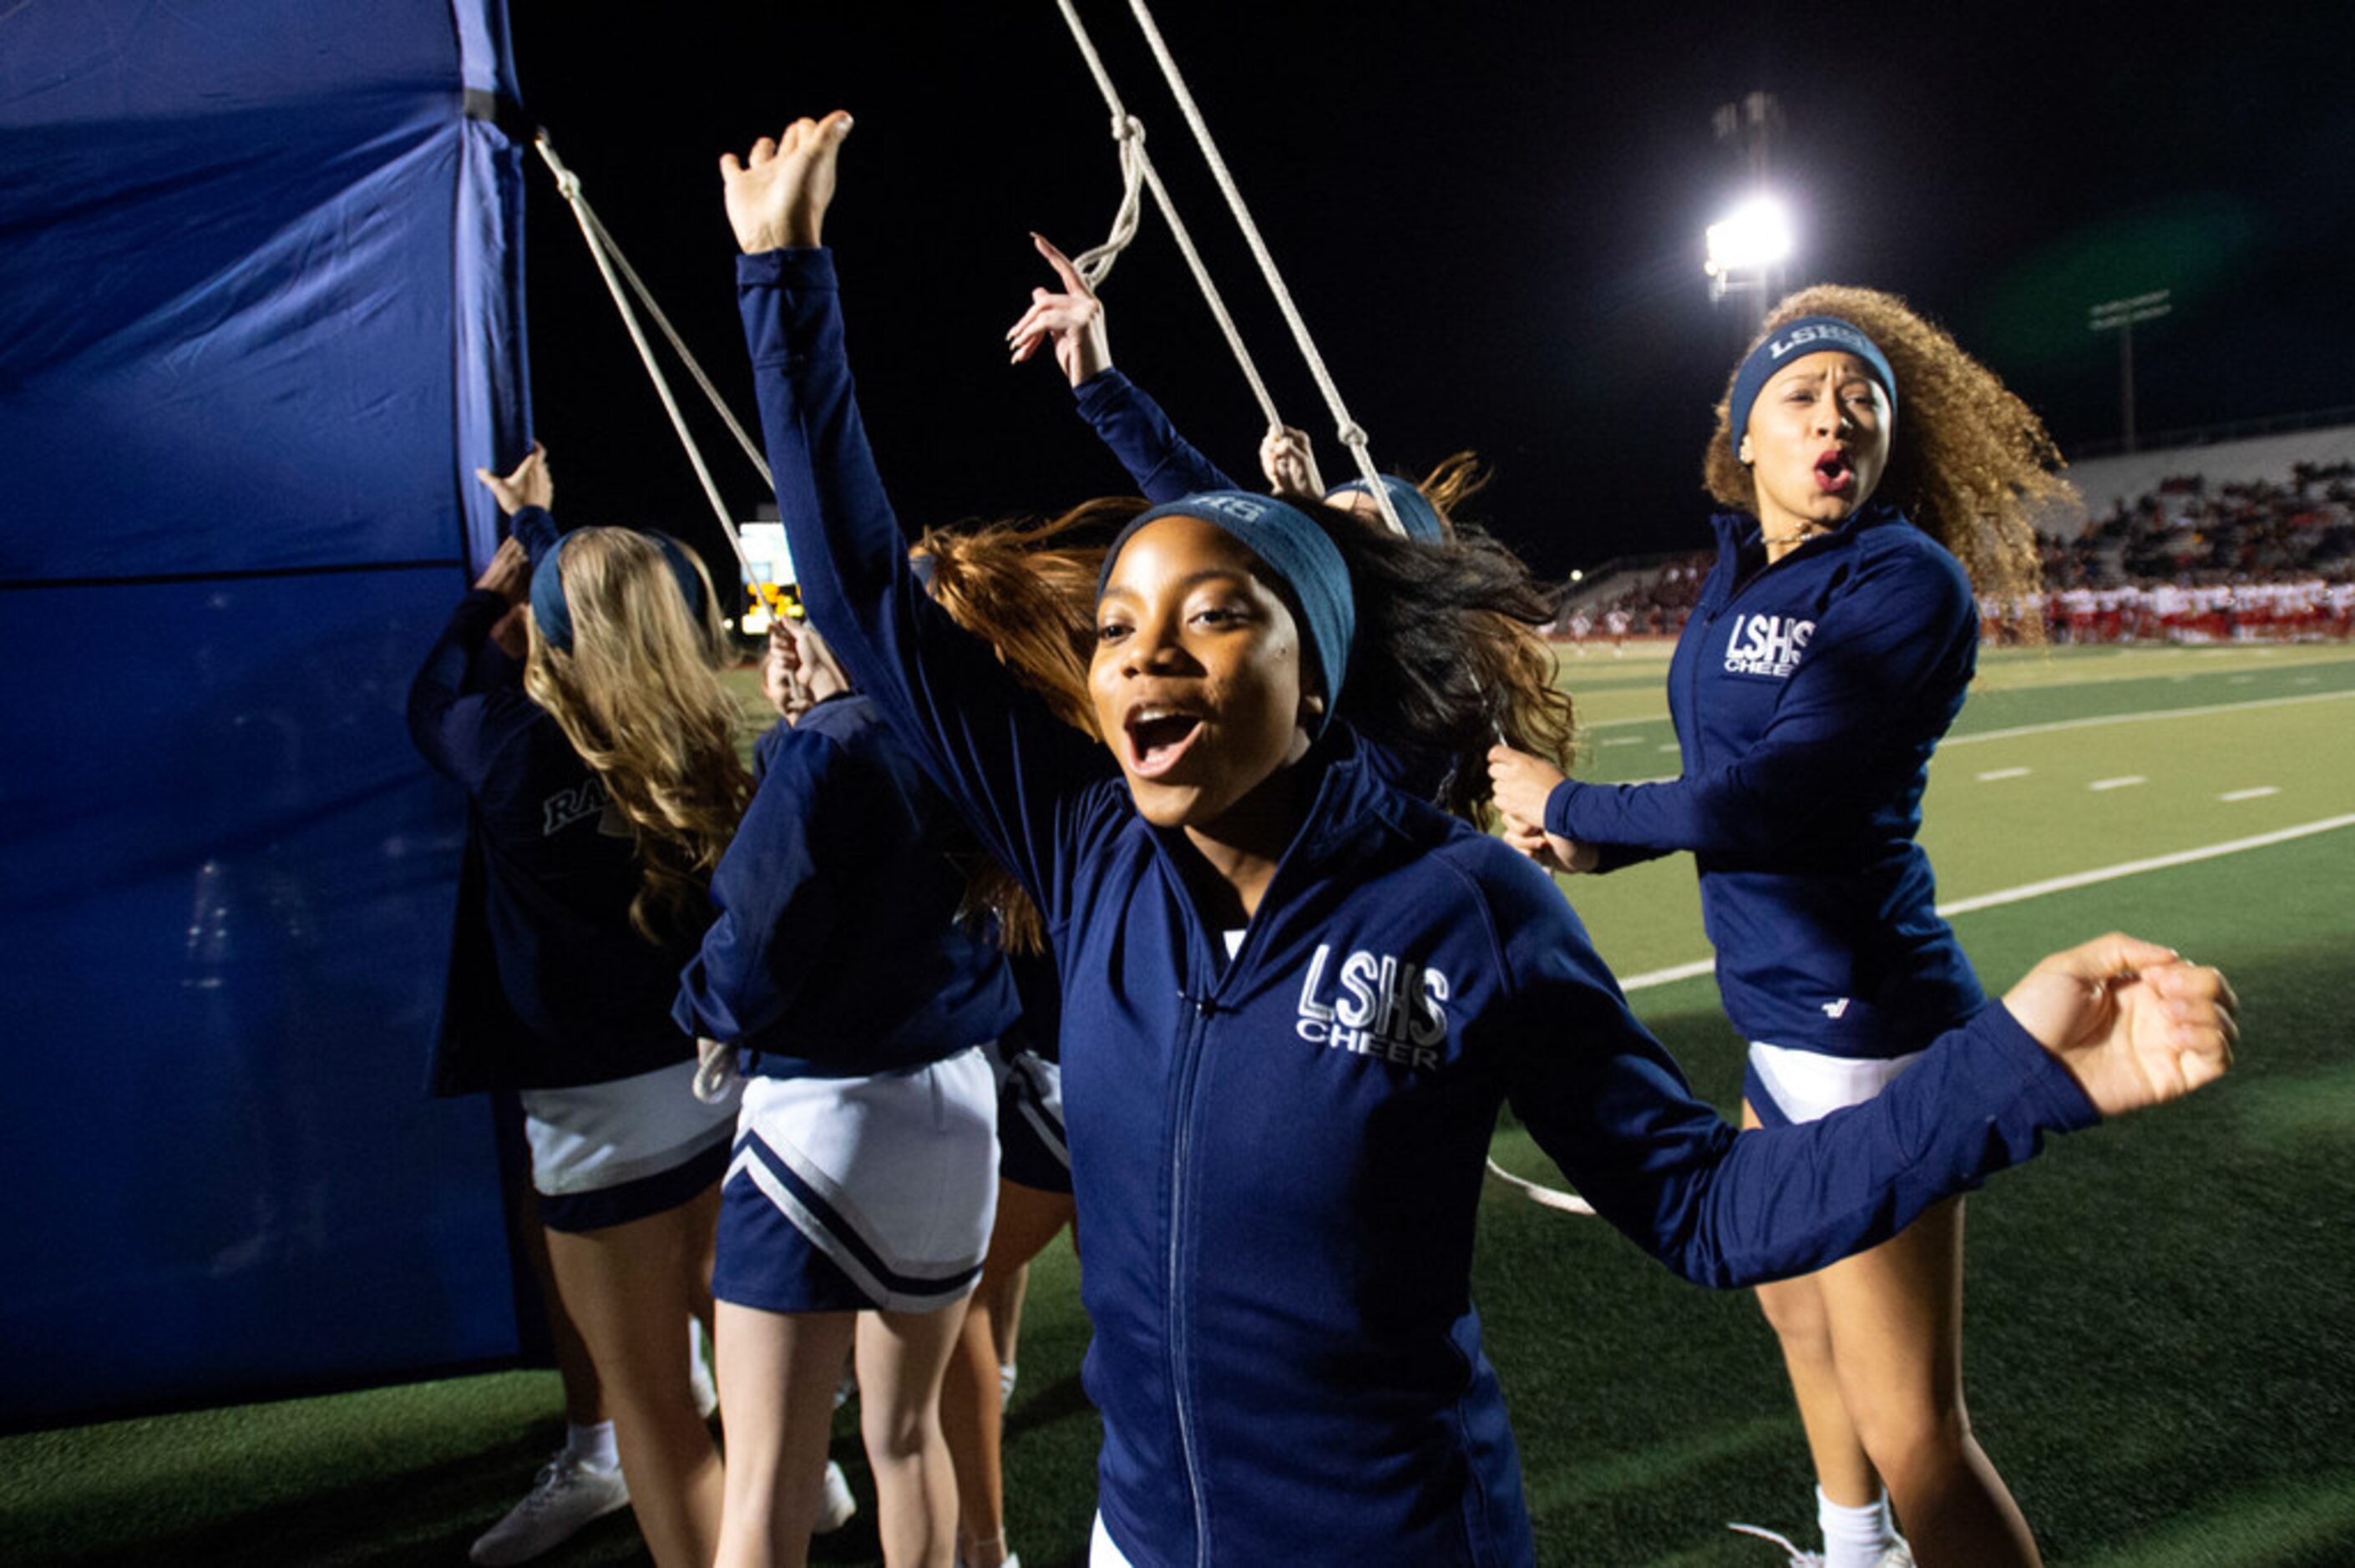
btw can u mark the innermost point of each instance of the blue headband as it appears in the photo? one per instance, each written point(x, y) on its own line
point(553, 616)
point(1797, 340)
point(1290, 544)
point(1416, 514)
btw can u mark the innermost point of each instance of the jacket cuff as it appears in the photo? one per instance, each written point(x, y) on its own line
point(1106, 386)
point(801, 267)
point(2049, 1089)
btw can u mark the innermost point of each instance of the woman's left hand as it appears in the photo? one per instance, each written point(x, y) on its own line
point(532, 483)
point(2133, 1023)
point(1071, 322)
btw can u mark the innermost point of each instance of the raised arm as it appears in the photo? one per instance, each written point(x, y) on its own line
point(1885, 668)
point(527, 495)
point(2106, 1028)
point(447, 711)
point(991, 746)
point(1164, 464)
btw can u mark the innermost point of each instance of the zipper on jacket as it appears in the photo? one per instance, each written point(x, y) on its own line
point(1203, 1005)
point(1191, 1045)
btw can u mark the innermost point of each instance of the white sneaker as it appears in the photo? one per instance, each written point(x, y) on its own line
point(1798, 1559)
point(564, 1497)
point(835, 1508)
point(1897, 1554)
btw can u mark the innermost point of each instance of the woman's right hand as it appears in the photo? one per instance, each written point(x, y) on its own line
point(1074, 321)
point(1520, 785)
point(778, 194)
point(1289, 463)
point(509, 573)
point(780, 674)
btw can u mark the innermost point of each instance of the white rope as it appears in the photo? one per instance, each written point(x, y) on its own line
point(1129, 133)
point(744, 441)
point(1095, 264)
point(1352, 435)
point(593, 231)
point(1552, 1197)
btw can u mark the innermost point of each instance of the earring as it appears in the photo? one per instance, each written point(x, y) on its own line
point(1742, 453)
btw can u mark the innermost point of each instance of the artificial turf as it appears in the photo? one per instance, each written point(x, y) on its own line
point(2161, 1350)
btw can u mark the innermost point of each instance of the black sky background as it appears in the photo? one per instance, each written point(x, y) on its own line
point(1491, 214)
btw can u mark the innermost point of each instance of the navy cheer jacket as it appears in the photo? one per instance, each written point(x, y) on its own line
point(1277, 1158)
point(836, 949)
point(549, 986)
point(1807, 697)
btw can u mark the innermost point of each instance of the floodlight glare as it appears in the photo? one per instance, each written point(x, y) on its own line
point(1755, 235)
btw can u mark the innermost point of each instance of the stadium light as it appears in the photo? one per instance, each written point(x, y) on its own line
point(1752, 239)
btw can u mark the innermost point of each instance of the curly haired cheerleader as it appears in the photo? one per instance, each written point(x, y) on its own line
point(1874, 472)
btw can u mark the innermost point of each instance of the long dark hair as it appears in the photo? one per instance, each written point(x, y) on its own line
point(1447, 659)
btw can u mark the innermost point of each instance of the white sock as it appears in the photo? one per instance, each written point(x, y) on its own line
point(593, 1446)
point(1005, 1383)
point(1854, 1537)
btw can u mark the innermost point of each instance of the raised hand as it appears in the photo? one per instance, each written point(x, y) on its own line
point(533, 484)
point(1073, 321)
point(2133, 1023)
point(1289, 462)
point(780, 674)
point(509, 573)
point(778, 194)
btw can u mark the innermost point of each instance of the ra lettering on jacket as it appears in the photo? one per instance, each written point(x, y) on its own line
point(586, 798)
point(1766, 645)
point(1378, 1006)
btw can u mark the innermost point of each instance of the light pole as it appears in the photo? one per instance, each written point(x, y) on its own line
point(1748, 247)
point(2121, 315)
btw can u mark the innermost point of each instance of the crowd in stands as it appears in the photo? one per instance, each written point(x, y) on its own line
point(1656, 605)
point(2193, 562)
point(2188, 562)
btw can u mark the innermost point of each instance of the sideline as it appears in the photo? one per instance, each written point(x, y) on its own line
point(2099, 719)
point(2052, 885)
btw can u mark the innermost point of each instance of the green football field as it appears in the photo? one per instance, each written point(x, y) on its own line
point(2161, 1347)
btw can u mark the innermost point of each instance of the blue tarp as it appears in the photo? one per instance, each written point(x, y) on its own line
point(260, 271)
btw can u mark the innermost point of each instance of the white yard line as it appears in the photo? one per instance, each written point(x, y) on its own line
point(1667, 976)
point(2053, 884)
point(2126, 782)
point(1954, 740)
point(1994, 773)
point(2057, 725)
point(2258, 793)
point(2135, 867)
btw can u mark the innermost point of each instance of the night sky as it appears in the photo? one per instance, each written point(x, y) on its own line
point(1491, 215)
